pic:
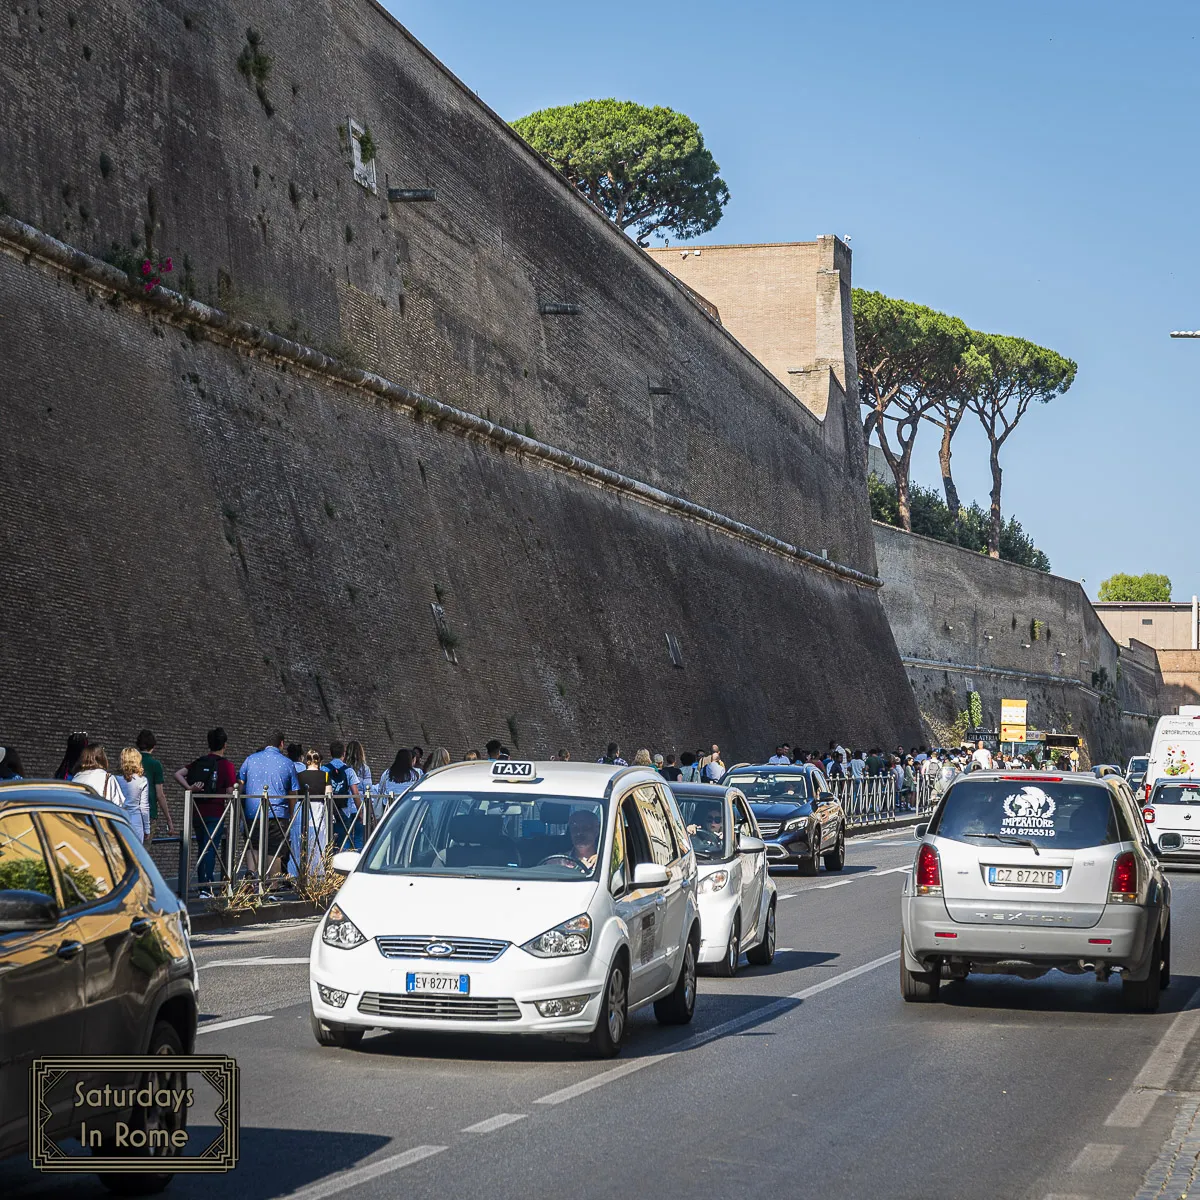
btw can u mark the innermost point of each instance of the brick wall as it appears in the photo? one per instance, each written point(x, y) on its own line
point(128, 127)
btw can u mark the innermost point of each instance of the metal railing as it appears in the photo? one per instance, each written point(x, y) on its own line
point(268, 844)
point(874, 799)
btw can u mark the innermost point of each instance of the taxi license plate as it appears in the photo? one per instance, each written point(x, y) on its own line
point(419, 981)
point(1191, 839)
point(1047, 877)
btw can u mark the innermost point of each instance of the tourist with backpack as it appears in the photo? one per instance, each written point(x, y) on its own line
point(345, 789)
point(689, 772)
point(209, 778)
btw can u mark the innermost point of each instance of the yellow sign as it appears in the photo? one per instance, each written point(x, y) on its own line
point(1013, 714)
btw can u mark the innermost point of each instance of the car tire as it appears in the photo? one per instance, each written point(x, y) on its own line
point(763, 955)
point(918, 987)
point(679, 1007)
point(608, 1037)
point(1144, 995)
point(342, 1036)
point(165, 1041)
point(728, 966)
point(835, 860)
point(810, 864)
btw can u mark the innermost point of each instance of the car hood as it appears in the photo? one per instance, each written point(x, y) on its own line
point(781, 810)
point(508, 910)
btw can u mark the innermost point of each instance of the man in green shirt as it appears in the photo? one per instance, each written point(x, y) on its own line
point(874, 763)
point(154, 777)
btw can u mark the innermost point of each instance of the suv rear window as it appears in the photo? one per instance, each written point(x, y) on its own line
point(1059, 814)
point(1175, 793)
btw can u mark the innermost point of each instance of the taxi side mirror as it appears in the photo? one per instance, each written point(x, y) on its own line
point(649, 875)
point(345, 861)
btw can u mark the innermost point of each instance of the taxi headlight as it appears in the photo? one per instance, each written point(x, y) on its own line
point(571, 937)
point(794, 824)
point(713, 883)
point(340, 931)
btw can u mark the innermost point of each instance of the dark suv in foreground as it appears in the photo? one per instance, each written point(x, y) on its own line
point(95, 959)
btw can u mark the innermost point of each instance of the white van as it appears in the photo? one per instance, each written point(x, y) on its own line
point(1175, 751)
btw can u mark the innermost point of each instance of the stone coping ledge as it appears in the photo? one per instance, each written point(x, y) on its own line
point(28, 243)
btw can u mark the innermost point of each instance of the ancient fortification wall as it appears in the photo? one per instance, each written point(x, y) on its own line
point(965, 622)
point(203, 523)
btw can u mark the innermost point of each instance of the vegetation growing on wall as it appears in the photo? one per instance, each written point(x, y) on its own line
point(931, 517)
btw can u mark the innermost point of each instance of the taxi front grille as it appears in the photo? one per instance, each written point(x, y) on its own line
point(462, 949)
point(438, 1008)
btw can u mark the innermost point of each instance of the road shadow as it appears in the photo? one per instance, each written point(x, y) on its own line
point(788, 960)
point(1055, 993)
point(784, 871)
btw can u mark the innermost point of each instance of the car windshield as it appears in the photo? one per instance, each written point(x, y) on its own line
point(1176, 793)
point(706, 823)
point(489, 836)
point(1138, 765)
point(1053, 814)
point(771, 787)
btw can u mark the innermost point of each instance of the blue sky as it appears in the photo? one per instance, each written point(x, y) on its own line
point(1031, 168)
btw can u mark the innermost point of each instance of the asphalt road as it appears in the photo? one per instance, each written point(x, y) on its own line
point(811, 1078)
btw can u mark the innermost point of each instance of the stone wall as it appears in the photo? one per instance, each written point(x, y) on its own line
point(129, 129)
point(965, 622)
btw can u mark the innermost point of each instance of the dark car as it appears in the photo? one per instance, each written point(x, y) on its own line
point(798, 816)
point(1135, 773)
point(95, 959)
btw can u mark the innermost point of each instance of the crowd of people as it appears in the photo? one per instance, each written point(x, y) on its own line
point(296, 801)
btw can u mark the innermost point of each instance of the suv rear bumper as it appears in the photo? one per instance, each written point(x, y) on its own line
point(1128, 929)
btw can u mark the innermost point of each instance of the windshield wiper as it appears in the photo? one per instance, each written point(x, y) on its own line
point(1008, 839)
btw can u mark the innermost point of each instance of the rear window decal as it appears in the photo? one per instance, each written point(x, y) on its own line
point(1029, 811)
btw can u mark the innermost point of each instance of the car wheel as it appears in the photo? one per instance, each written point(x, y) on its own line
point(835, 860)
point(763, 955)
point(678, 1007)
point(918, 986)
point(1165, 981)
point(164, 1040)
point(609, 1035)
point(1144, 995)
point(810, 864)
point(342, 1036)
point(728, 966)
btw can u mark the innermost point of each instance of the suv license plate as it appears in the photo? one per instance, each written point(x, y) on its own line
point(1047, 877)
point(419, 981)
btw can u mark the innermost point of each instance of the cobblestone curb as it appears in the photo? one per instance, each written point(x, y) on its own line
point(1173, 1174)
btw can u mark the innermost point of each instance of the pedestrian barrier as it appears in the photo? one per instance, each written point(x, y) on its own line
point(265, 845)
point(875, 799)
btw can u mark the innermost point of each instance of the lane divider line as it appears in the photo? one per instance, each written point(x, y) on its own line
point(755, 1017)
point(499, 1121)
point(214, 1026)
point(348, 1179)
point(1155, 1076)
point(260, 961)
point(1096, 1156)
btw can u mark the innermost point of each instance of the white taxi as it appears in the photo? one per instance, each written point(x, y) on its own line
point(513, 897)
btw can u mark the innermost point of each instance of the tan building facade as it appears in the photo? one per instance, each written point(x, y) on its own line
point(1163, 625)
point(788, 303)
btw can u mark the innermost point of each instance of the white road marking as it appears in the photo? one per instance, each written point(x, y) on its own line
point(261, 961)
point(1096, 1156)
point(1155, 1076)
point(348, 1179)
point(783, 949)
point(493, 1123)
point(893, 870)
point(840, 883)
point(754, 1017)
point(214, 1026)
point(1064, 1196)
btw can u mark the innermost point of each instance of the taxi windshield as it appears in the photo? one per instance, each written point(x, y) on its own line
point(489, 835)
point(705, 820)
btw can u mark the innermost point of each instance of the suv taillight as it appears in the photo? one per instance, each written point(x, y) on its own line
point(1148, 815)
point(1124, 879)
point(928, 874)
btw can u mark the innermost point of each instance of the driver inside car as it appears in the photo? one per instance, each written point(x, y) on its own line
point(709, 822)
point(583, 828)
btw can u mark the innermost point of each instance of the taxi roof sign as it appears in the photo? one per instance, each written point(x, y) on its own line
point(513, 769)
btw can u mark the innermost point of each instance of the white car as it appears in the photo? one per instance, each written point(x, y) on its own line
point(514, 897)
point(1174, 809)
point(737, 893)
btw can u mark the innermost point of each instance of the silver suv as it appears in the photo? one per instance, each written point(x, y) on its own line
point(1025, 873)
